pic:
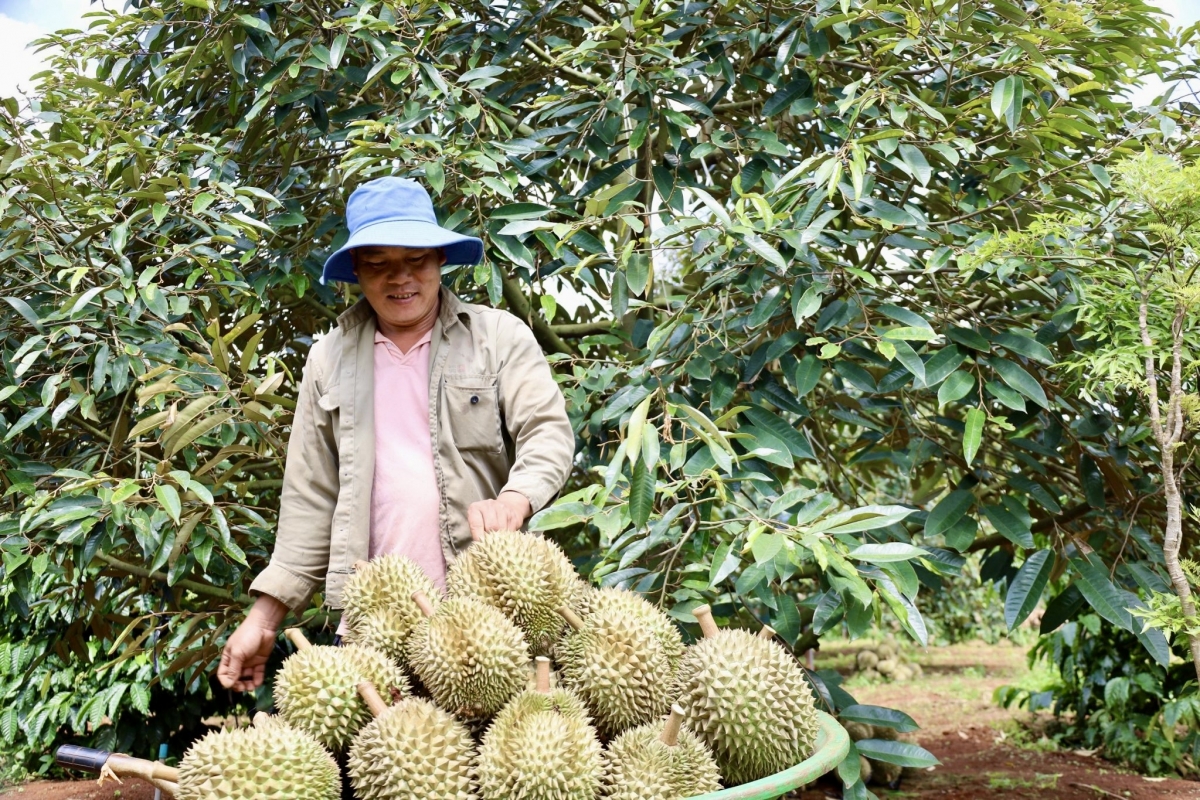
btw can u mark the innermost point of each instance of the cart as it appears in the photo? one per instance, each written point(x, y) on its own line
point(831, 747)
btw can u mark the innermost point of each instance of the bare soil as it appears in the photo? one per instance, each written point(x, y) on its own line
point(131, 789)
point(985, 753)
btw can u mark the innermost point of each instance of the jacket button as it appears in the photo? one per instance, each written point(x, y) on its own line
point(474, 399)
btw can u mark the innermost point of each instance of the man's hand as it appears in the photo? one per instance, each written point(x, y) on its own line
point(507, 512)
point(245, 656)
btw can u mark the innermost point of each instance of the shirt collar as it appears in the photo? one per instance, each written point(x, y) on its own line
point(381, 339)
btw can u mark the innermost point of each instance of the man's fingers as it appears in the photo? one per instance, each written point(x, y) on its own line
point(475, 521)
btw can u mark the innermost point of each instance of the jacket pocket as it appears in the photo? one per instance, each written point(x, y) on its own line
point(474, 404)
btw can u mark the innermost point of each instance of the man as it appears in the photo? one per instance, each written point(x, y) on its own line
point(422, 422)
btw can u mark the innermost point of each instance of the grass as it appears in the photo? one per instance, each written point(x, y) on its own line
point(1001, 780)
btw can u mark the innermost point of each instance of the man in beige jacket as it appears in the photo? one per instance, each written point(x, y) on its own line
point(422, 423)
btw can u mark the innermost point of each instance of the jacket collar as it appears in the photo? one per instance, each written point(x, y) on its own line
point(452, 312)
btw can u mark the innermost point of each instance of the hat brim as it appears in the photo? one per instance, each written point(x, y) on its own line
point(459, 249)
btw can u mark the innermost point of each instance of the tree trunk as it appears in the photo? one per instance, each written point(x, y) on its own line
point(1168, 436)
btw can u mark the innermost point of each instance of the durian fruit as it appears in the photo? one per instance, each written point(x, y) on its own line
point(524, 575)
point(316, 688)
point(379, 609)
point(621, 658)
point(748, 699)
point(470, 657)
point(540, 748)
point(412, 749)
point(270, 760)
point(659, 761)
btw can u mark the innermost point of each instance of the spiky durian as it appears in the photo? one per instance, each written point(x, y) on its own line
point(659, 761)
point(413, 750)
point(269, 760)
point(748, 699)
point(524, 575)
point(379, 609)
point(621, 658)
point(470, 657)
point(540, 747)
point(316, 688)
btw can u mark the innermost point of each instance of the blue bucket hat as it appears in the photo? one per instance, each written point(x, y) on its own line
point(396, 212)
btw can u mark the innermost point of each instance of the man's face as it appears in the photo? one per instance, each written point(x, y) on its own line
point(400, 283)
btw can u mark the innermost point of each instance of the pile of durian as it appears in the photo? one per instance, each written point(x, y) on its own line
point(455, 697)
point(883, 661)
point(872, 772)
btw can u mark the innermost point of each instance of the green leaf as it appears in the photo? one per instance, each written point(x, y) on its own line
point(900, 753)
point(949, 510)
point(866, 518)
point(24, 309)
point(787, 500)
point(1104, 598)
point(961, 534)
point(910, 360)
point(916, 163)
point(782, 430)
point(1026, 589)
point(169, 498)
point(808, 374)
point(886, 553)
point(725, 562)
point(1022, 343)
point(879, 715)
point(1008, 526)
point(436, 175)
point(766, 546)
point(955, 387)
point(765, 250)
point(1008, 96)
point(641, 493)
point(28, 418)
point(910, 334)
point(1016, 377)
point(799, 86)
point(973, 433)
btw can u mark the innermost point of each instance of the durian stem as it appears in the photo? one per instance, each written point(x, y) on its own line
point(127, 766)
point(542, 670)
point(372, 698)
point(708, 625)
point(670, 734)
point(571, 617)
point(297, 637)
point(171, 788)
point(767, 633)
point(423, 603)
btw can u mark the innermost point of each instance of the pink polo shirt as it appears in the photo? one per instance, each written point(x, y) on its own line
point(404, 496)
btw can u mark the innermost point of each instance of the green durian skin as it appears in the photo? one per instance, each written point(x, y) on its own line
point(623, 662)
point(526, 576)
point(638, 766)
point(750, 702)
point(316, 690)
point(379, 609)
point(530, 701)
point(536, 752)
point(470, 657)
point(413, 750)
point(268, 761)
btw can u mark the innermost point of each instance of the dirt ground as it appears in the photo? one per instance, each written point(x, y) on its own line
point(985, 754)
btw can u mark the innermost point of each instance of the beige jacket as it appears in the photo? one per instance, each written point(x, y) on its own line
point(497, 419)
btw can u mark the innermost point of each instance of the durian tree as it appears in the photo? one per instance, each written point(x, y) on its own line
point(737, 230)
point(1133, 267)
